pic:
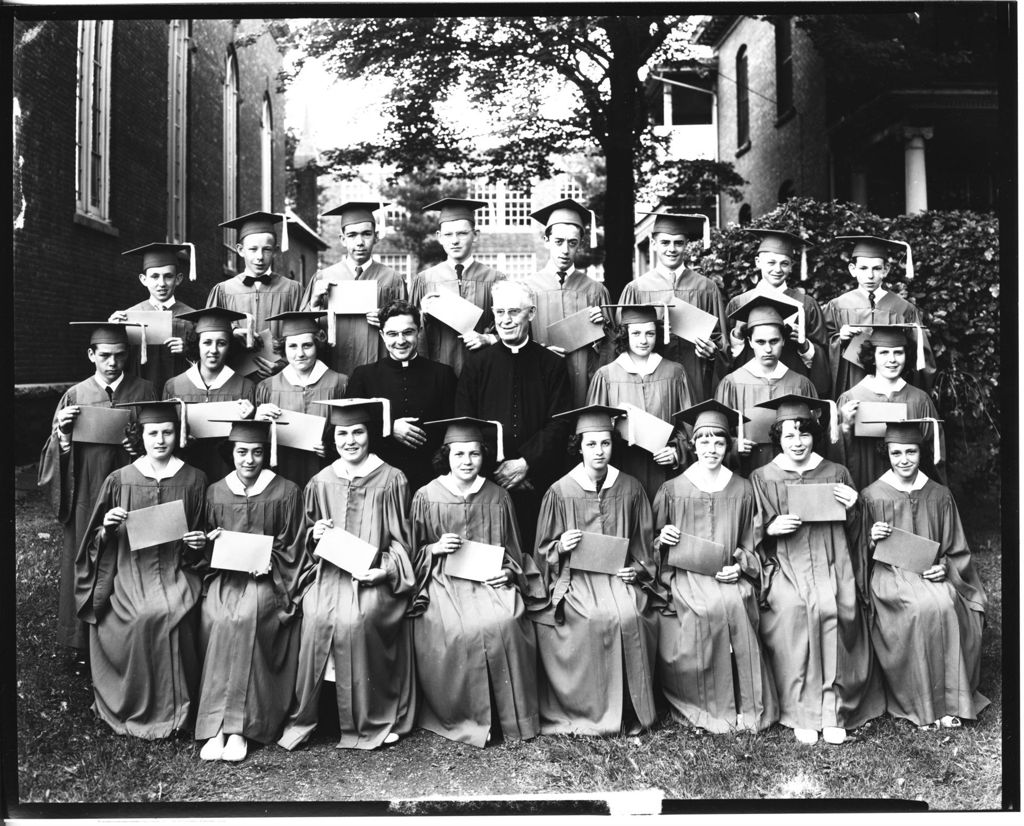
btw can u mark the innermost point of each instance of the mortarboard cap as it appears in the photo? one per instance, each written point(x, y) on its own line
point(169, 410)
point(594, 418)
point(469, 429)
point(567, 211)
point(642, 314)
point(896, 335)
point(257, 431)
point(692, 226)
point(213, 319)
point(711, 413)
point(779, 241)
point(908, 432)
point(260, 222)
point(356, 212)
point(295, 324)
point(113, 332)
point(166, 255)
point(456, 209)
point(870, 246)
point(795, 406)
point(348, 412)
point(763, 309)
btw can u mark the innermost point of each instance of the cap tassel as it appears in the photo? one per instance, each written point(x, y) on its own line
point(250, 321)
point(284, 232)
point(593, 229)
point(332, 330)
point(385, 405)
point(183, 436)
point(143, 357)
point(630, 426)
point(936, 452)
point(666, 335)
point(910, 262)
point(706, 236)
point(920, 347)
point(500, 449)
point(273, 443)
point(739, 426)
point(191, 260)
point(803, 263)
point(833, 423)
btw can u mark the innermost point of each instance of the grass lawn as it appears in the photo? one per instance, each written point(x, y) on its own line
point(65, 755)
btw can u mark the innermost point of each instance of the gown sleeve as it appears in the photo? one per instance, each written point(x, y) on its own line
point(400, 559)
point(96, 561)
point(956, 554)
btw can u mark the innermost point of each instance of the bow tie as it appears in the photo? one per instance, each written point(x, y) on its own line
point(249, 280)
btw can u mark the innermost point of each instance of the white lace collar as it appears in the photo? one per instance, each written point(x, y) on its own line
point(700, 479)
point(194, 376)
point(626, 363)
point(345, 471)
point(779, 371)
point(449, 482)
point(236, 486)
point(579, 475)
point(784, 462)
point(892, 480)
point(145, 467)
point(292, 376)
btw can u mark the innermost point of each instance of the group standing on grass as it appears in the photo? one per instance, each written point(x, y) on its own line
point(496, 535)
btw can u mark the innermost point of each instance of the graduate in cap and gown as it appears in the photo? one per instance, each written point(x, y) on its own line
point(354, 339)
point(307, 379)
point(458, 273)
point(704, 361)
point(806, 349)
point(710, 664)
point(870, 304)
point(563, 290)
point(598, 637)
point(249, 620)
point(355, 631)
point(209, 379)
point(813, 619)
point(641, 377)
point(73, 471)
point(140, 602)
point(926, 627)
point(476, 652)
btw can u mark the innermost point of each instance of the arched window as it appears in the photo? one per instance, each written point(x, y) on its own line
point(745, 215)
point(783, 65)
point(93, 143)
point(742, 100)
point(786, 191)
point(267, 155)
point(230, 150)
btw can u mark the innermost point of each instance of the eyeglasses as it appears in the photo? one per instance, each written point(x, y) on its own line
point(515, 313)
point(392, 335)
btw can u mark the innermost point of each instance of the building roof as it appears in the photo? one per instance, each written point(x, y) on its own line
point(304, 230)
point(710, 31)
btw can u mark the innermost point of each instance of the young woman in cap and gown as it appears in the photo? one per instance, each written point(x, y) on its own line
point(710, 663)
point(926, 627)
point(641, 377)
point(599, 635)
point(305, 381)
point(354, 629)
point(140, 603)
point(885, 357)
point(476, 652)
point(249, 619)
point(813, 625)
point(209, 379)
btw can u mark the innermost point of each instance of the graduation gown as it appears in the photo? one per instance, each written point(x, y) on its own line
point(710, 664)
point(139, 606)
point(522, 389)
point(161, 363)
point(661, 393)
point(418, 388)
point(475, 642)
point(299, 466)
point(73, 480)
point(655, 287)
point(189, 387)
point(853, 307)
point(554, 303)
point(861, 453)
point(364, 628)
point(813, 628)
point(927, 635)
point(439, 342)
point(743, 389)
point(281, 295)
point(248, 625)
point(598, 637)
point(356, 343)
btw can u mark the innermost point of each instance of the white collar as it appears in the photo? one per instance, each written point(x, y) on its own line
point(579, 475)
point(465, 264)
point(784, 462)
point(292, 377)
point(145, 467)
point(345, 471)
point(626, 363)
point(879, 293)
point(352, 264)
point(779, 371)
point(165, 305)
point(405, 363)
point(876, 385)
point(892, 480)
point(236, 487)
point(194, 376)
point(764, 287)
point(696, 474)
point(451, 486)
point(113, 385)
point(671, 275)
point(515, 348)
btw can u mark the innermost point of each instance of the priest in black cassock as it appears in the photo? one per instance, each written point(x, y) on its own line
point(520, 384)
point(419, 390)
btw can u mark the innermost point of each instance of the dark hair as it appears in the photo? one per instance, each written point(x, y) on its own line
point(748, 330)
point(319, 339)
point(576, 439)
point(133, 432)
point(399, 307)
point(583, 232)
point(622, 339)
point(867, 358)
point(802, 425)
point(373, 429)
point(226, 449)
point(441, 465)
point(191, 339)
point(717, 431)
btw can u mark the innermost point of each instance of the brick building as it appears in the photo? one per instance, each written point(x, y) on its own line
point(126, 132)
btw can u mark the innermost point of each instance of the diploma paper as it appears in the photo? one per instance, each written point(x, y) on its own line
point(689, 322)
point(350, 297)
point(599, 554)
point(200, 413)
point(761, 420)
point(346, 551)
point(475, 560)
point(907, 550)
point(649, 432)
point(574, 331)
point(877, 412)
point(694, 553)
point(852, 351)
point(815, 503)
point(235, 551)
point(158, 326)
point(244, 363)
point(100, 425)
point(454, 310)
point(302, 431)
point(156, 525)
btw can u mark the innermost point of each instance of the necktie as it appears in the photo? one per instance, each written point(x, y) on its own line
point(871, 298)
point(458, 271)
point(110, 395)
point(561, 277)
point(359, 271)
point(249, 280)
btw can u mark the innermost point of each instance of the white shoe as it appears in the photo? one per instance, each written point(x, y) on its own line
point(807, 736)
point(949, 721)
point(833, 735)
point(390, 738)
point(214, 748)
point(236, 749)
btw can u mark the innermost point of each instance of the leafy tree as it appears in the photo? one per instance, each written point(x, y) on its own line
point(688, 185)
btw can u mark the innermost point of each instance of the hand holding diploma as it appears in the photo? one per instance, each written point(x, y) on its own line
point(669, 536)
point(627, 575)
point(447, 543)
point(570, 539)
point(937, 573)
point(320, 526)
point(784, 524)
point(705, 348)
point(880, 530)
point(845, 495)
point(729, 574)
point(113, 518)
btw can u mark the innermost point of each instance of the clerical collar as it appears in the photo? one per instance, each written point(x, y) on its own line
point(702, 481)
point(291, 375)
point(784, 462)
point(881, 387)
point(515, 348)
point(452, 486)
point(398, 362)
point(344, 470)
point(364, 266)
point(166, 305)
point(779, 371)
point(879, 293)
point(579, 475)
point(144, 466)
point(113, 385)
point(237, 486)
point(892, 480)
point(465, 264)
point(627, 364)
point(194, 376)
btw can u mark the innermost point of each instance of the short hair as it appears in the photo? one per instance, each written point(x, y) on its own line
point(399, 307)
point(576, 440)
point(226, 448)
point(319, 339)
point(547, 230)
point(191, 339)
point(439, 461)
point(331, 449)
point(500, 287)
point(622, 339)
point(867, 359)
point(133, 433)
point(748, 330)
point(803, 425)
point(709, 430)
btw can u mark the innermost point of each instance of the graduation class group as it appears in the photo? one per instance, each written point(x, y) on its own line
point(499, 508)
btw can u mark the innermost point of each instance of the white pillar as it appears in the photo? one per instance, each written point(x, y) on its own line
point(915, 179)
point(666, 98)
